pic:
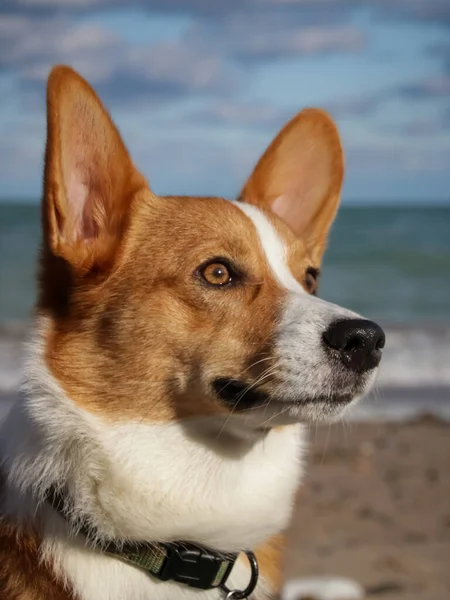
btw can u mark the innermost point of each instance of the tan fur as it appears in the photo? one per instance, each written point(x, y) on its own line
point(23, 576)
point(133, 331)
point(95, 318)
point(94, 349)
point(270, 560)
point(82, 140)
point(299, 177)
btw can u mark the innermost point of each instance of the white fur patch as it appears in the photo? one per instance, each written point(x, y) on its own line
point(307, 377)
point(273, 247)
point(162, 481)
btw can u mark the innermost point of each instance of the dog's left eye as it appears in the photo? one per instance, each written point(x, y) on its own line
point(311, 280)
point(217, 273)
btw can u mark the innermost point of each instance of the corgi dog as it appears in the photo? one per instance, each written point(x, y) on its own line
point(178, 353)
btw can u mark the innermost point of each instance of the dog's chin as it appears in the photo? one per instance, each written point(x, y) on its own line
point(267, 409)
point(311, 410)
point(278, 412)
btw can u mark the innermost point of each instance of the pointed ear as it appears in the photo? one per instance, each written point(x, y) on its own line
point(299, 177)
point(89, 178)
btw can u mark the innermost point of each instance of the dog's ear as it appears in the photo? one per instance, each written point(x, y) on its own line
point(89, 178)
point(299, 177)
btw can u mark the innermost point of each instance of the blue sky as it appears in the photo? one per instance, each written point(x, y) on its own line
point(199, 87)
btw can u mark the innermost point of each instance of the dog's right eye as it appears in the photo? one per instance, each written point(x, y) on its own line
point(217, 273)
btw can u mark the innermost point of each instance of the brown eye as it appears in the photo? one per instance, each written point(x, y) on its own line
point(216, 273)
point(311, 277)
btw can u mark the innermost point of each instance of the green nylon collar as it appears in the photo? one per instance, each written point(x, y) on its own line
point(182, 562)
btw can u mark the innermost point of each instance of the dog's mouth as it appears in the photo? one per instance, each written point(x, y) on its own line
point(240, 396)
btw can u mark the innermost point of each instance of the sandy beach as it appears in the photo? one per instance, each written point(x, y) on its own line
point(375, 507)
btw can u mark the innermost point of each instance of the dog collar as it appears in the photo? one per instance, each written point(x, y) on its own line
point(183, 562)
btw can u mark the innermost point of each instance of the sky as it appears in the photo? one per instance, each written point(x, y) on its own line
point(198, 88)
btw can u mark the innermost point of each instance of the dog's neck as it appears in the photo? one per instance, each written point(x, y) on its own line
point(136, 481)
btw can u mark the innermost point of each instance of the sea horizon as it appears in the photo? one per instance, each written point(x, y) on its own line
point(346, 201)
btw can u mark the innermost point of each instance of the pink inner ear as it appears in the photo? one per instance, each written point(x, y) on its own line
point(82, 224)
point(303, 181)
point(280, 206)
point(289, 211)
point(295, 209)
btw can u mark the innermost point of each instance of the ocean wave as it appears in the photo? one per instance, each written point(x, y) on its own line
point(12, 338)
point(416, 357)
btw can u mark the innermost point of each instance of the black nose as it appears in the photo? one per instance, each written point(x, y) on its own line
point(357, 341)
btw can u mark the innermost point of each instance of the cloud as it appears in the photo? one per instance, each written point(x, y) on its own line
point(441, 51)
point(436, 124)
point(192, 7)
point(437, 86)
point(437, 11)
point(203, 8)
point(27, 44)
point(157, 71)
point(362, 105)
point(200, 83)
point(211, 58)
point(242, 115)
point(267, 40)
point(425, 128)
point(166, 72)
point(379, 157)
point(195, 165)
point(434, 87)
point(423, 11)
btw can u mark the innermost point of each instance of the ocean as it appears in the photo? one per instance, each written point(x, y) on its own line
point(391, 264)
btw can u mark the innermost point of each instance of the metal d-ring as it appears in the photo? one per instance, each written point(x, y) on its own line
point(243, 594)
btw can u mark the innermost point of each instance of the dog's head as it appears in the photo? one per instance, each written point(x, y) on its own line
point(168, 307)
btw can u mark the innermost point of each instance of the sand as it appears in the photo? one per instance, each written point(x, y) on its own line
point(375, 506)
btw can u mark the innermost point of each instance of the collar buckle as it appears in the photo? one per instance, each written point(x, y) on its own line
point(196, 567)
point(176, 561)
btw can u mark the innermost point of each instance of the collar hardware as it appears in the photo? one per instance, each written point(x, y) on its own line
point(183, 562)
point(243, 594)
point(196, 567)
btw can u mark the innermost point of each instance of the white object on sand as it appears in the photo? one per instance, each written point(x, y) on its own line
point(323, 588)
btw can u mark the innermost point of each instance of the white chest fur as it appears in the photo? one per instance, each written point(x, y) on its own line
point(227, 495)
point(186, 480)
point(161, 482)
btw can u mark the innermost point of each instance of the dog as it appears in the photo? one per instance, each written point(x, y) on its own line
point(179, 350)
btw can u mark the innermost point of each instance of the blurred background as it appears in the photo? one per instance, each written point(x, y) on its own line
point(198, 89)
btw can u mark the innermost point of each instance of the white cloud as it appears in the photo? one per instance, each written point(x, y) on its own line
point(33, 46)
point(247, 37)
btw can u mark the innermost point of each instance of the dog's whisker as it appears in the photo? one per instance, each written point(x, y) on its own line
point(273, 417)
point(259, 381)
